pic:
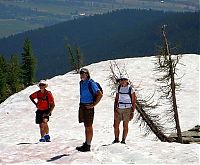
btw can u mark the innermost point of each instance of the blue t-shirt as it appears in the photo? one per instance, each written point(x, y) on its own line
point(85, 94)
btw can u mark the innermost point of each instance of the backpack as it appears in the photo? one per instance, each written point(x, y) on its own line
point(90, 88)
point(129, 91)
point(45, 98)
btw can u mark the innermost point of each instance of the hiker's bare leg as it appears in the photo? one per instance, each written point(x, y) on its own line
point(46, 127)
point(125, 129)
point(116, 129)
point(89, 134)
point(42, 129)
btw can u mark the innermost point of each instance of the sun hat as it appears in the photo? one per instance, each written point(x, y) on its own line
point(43, 82)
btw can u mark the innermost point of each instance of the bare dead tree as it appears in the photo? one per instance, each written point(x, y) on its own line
point(166, 65)
point(148, 121)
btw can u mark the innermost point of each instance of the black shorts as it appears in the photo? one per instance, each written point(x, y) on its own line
point(86, 115)
point(41, 115)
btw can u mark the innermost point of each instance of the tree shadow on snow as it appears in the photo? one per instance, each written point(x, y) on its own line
point(27, 143)
point(57, 157)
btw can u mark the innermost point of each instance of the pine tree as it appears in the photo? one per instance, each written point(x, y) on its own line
point(28, 64)
point(14, 75)
point(4, 90)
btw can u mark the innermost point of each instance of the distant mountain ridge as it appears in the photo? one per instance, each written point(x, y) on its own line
point(119, 34)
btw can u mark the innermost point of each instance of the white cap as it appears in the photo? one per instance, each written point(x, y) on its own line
point(43, 82)
point(122, 77)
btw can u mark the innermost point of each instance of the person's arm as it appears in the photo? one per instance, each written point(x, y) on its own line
point(133, 101)
point(116, 113)
point(32, 99)
point(116, 102)
point(99, 95)
point(51, 102)
point(52, 105)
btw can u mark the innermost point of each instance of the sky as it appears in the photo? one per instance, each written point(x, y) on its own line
point(19, 134)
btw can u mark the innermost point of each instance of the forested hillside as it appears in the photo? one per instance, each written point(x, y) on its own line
point(17, 16)
point(119, 34)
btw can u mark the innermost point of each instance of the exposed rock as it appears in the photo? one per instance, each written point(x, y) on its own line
point(190, 136)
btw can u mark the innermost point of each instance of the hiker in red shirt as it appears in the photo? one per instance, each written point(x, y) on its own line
point(45, 105)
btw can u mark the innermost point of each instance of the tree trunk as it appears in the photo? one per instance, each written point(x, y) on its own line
point(173, 86)
point(151, 124)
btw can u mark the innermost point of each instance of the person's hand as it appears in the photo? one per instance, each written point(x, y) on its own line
point(116, 113)
point(89, 106)
point(36, 104)
point(47, 114)
point(131, 115)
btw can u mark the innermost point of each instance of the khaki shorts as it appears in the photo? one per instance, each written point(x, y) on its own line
point(86, 116)
point(124, 114)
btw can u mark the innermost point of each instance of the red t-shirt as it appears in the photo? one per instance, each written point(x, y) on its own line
point(44, 99)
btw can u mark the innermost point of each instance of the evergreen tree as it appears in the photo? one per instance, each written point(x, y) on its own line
point(14, 75)
point(28, 64)
point(4, 90)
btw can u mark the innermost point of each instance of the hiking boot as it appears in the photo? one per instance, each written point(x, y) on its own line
point(123, 141)
point(115, 141)
point(42, 140)
point(84, 148)
point(47, 138)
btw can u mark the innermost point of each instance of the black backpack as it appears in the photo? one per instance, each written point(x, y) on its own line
point(90, 88)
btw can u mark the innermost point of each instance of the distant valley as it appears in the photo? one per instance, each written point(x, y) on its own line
point(17, 16)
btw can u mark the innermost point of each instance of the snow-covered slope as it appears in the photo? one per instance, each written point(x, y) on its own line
point(19, 133)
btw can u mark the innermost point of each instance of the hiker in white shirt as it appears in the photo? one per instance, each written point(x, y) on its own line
point(124, 106)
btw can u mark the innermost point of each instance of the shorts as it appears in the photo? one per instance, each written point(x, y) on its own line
point(124, 114)
point(41, 115)
point(86, 115)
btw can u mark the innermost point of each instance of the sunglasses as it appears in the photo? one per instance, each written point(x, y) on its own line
point(41, 84)
point(123, 79)
point(82, 72)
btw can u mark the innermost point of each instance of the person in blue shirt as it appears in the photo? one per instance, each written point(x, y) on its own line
point(90, 95)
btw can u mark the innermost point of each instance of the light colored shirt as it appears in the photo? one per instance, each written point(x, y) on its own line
point(124, 100)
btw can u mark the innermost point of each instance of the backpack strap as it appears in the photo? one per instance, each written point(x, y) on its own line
point(90, 88)
point(45, 97)
point(118, 88)
point(129, 91)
